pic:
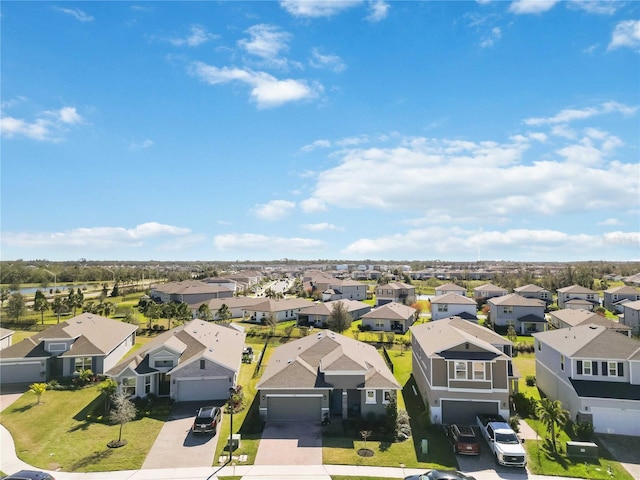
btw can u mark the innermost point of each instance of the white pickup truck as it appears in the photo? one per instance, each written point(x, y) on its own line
point(502, 440)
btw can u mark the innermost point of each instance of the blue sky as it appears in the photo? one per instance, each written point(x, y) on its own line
point(321, 130)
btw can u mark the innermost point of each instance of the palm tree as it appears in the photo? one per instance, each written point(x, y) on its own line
point(58, 306)
point(551, 413)
point(40, 304)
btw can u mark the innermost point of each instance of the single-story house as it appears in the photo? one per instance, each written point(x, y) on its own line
point(196, 361)
point(85, 342)
point(283, 309)
point(325, 373)
point(390, 317)
point(6, 338)
point(318, 313)
point(236, 305)
point(189, 291)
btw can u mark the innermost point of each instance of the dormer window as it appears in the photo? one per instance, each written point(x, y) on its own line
point(163, 363)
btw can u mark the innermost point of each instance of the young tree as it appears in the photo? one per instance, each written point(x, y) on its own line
point(272, 321)
point(183, 312)
point(107, 389)
point(512, 335)
point(552, 415)
point(40, 304)
point(224, 314)
point(38, 389)
point(16, 306)
point(122, 411)
point(205, 313)
point(4, 295)
point(109, 308)
point(417, 306)
point(58, 307)
point(339, 319)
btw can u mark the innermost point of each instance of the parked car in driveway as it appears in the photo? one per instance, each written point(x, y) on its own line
point(440, 475)
point(29, 475)
point(464, 439)
point(207, 419)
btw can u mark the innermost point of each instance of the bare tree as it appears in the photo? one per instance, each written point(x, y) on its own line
point(122, 411)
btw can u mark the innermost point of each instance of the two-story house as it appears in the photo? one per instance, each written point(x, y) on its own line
point(325, 373)
point(450, 288)
point(489, 290)
point(535, 292)
point(526, 315)
point(462, 369)
point(614, 298)
point(84, 342)
point(347, 289)
point(398, 292)
point(196, 361)
point(631, 316)
point(595, 373)
point(453, 304)
point(576, 296)
point(569, 317)
point(390, 317)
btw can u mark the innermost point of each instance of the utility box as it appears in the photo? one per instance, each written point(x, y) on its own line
point(234, 441)
point(582, 450)
point(425, 446)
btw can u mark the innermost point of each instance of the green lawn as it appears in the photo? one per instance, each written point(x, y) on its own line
point(56, 434)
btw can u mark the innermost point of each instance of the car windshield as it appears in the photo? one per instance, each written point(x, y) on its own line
point(508, 438)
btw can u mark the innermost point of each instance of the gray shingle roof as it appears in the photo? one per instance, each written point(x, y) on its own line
point(453, 299)
point(513, 299)
point(391, 311)
point(590, 341)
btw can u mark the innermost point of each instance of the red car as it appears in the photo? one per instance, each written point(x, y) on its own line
point(464, 439)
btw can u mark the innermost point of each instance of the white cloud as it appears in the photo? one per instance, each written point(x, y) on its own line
point(100, 237)
point(623, 238)
point(50, 125)
point(320, 227)
point(274, 210)
point(266, 42)
point(379, 10)
point(75, 13)
point(146, 143)
point(332, 62)
point(262, 243)
point(313, 205)
point(531, 6)
point(626, 34)
point(600, 7)
point(610, 221)
point(489, 40)
point(266, 90)
point(315, 145)
point(572, 114)
point(317, 8)
point(197, 36)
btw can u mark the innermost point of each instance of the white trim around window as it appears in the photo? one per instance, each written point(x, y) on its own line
point(386, 397)
point(370, 397)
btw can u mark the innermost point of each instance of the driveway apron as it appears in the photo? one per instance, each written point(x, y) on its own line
point(176, 446)
point(290, 443)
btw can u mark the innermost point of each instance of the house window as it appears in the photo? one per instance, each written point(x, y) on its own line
point(461, 370)
point(163, 363)
point(82, 363)
point(201, 364)
point(370, 396)
point(379, 323)
point(561, 362)
point(129, 386)
point(147, 384)
point(57, 347)
point(612, 368)
point(539, 346)
point(544, 295)
point(443, 307)
point(590, 296)
point(587, 367)
point(386, 397)
point(507, 309)
point(478, 370)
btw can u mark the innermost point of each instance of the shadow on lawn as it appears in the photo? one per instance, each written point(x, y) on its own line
point(95, 457)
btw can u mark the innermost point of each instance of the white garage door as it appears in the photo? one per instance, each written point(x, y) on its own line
point(615, 420)
point(26, 372)
point(294, 408)
point(202, 389)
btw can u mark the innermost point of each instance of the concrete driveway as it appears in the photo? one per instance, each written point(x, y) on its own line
point(290, 443)
point(176, 446)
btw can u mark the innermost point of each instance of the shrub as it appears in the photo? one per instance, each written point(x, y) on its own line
point(523, 405)
point(530, 380)
point(403, 426)
point(514, 423)
point(583, 431)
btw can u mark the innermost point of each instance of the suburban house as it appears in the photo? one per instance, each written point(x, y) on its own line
point(6, 338)
point(195, 361)
point(398, 292)
point(489, 290)
point(572, 318)
point(189, 291)
point(453, 304)
point(237, 305)
point(345, 289)
point(595, 373)
point(325, 373)
point(576, 296)
point(615, 297)
point(526, 315)
point(535, 292)
point(631, 316)
point(462, 369)
point(281, 310)
point(223, 282)
point(390, 317)
point(318, 313)
point(85, 342)
point(246, 278)
point(450, 288)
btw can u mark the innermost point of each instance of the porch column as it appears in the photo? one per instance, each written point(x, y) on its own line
point(345, 405)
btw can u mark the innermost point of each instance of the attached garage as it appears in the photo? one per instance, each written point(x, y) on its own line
point(294, 408)
point(616, 420)
point(197, 389)
point(465, 411)
point(29, 371)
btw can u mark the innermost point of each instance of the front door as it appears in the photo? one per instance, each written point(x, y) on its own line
point(164, 385)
